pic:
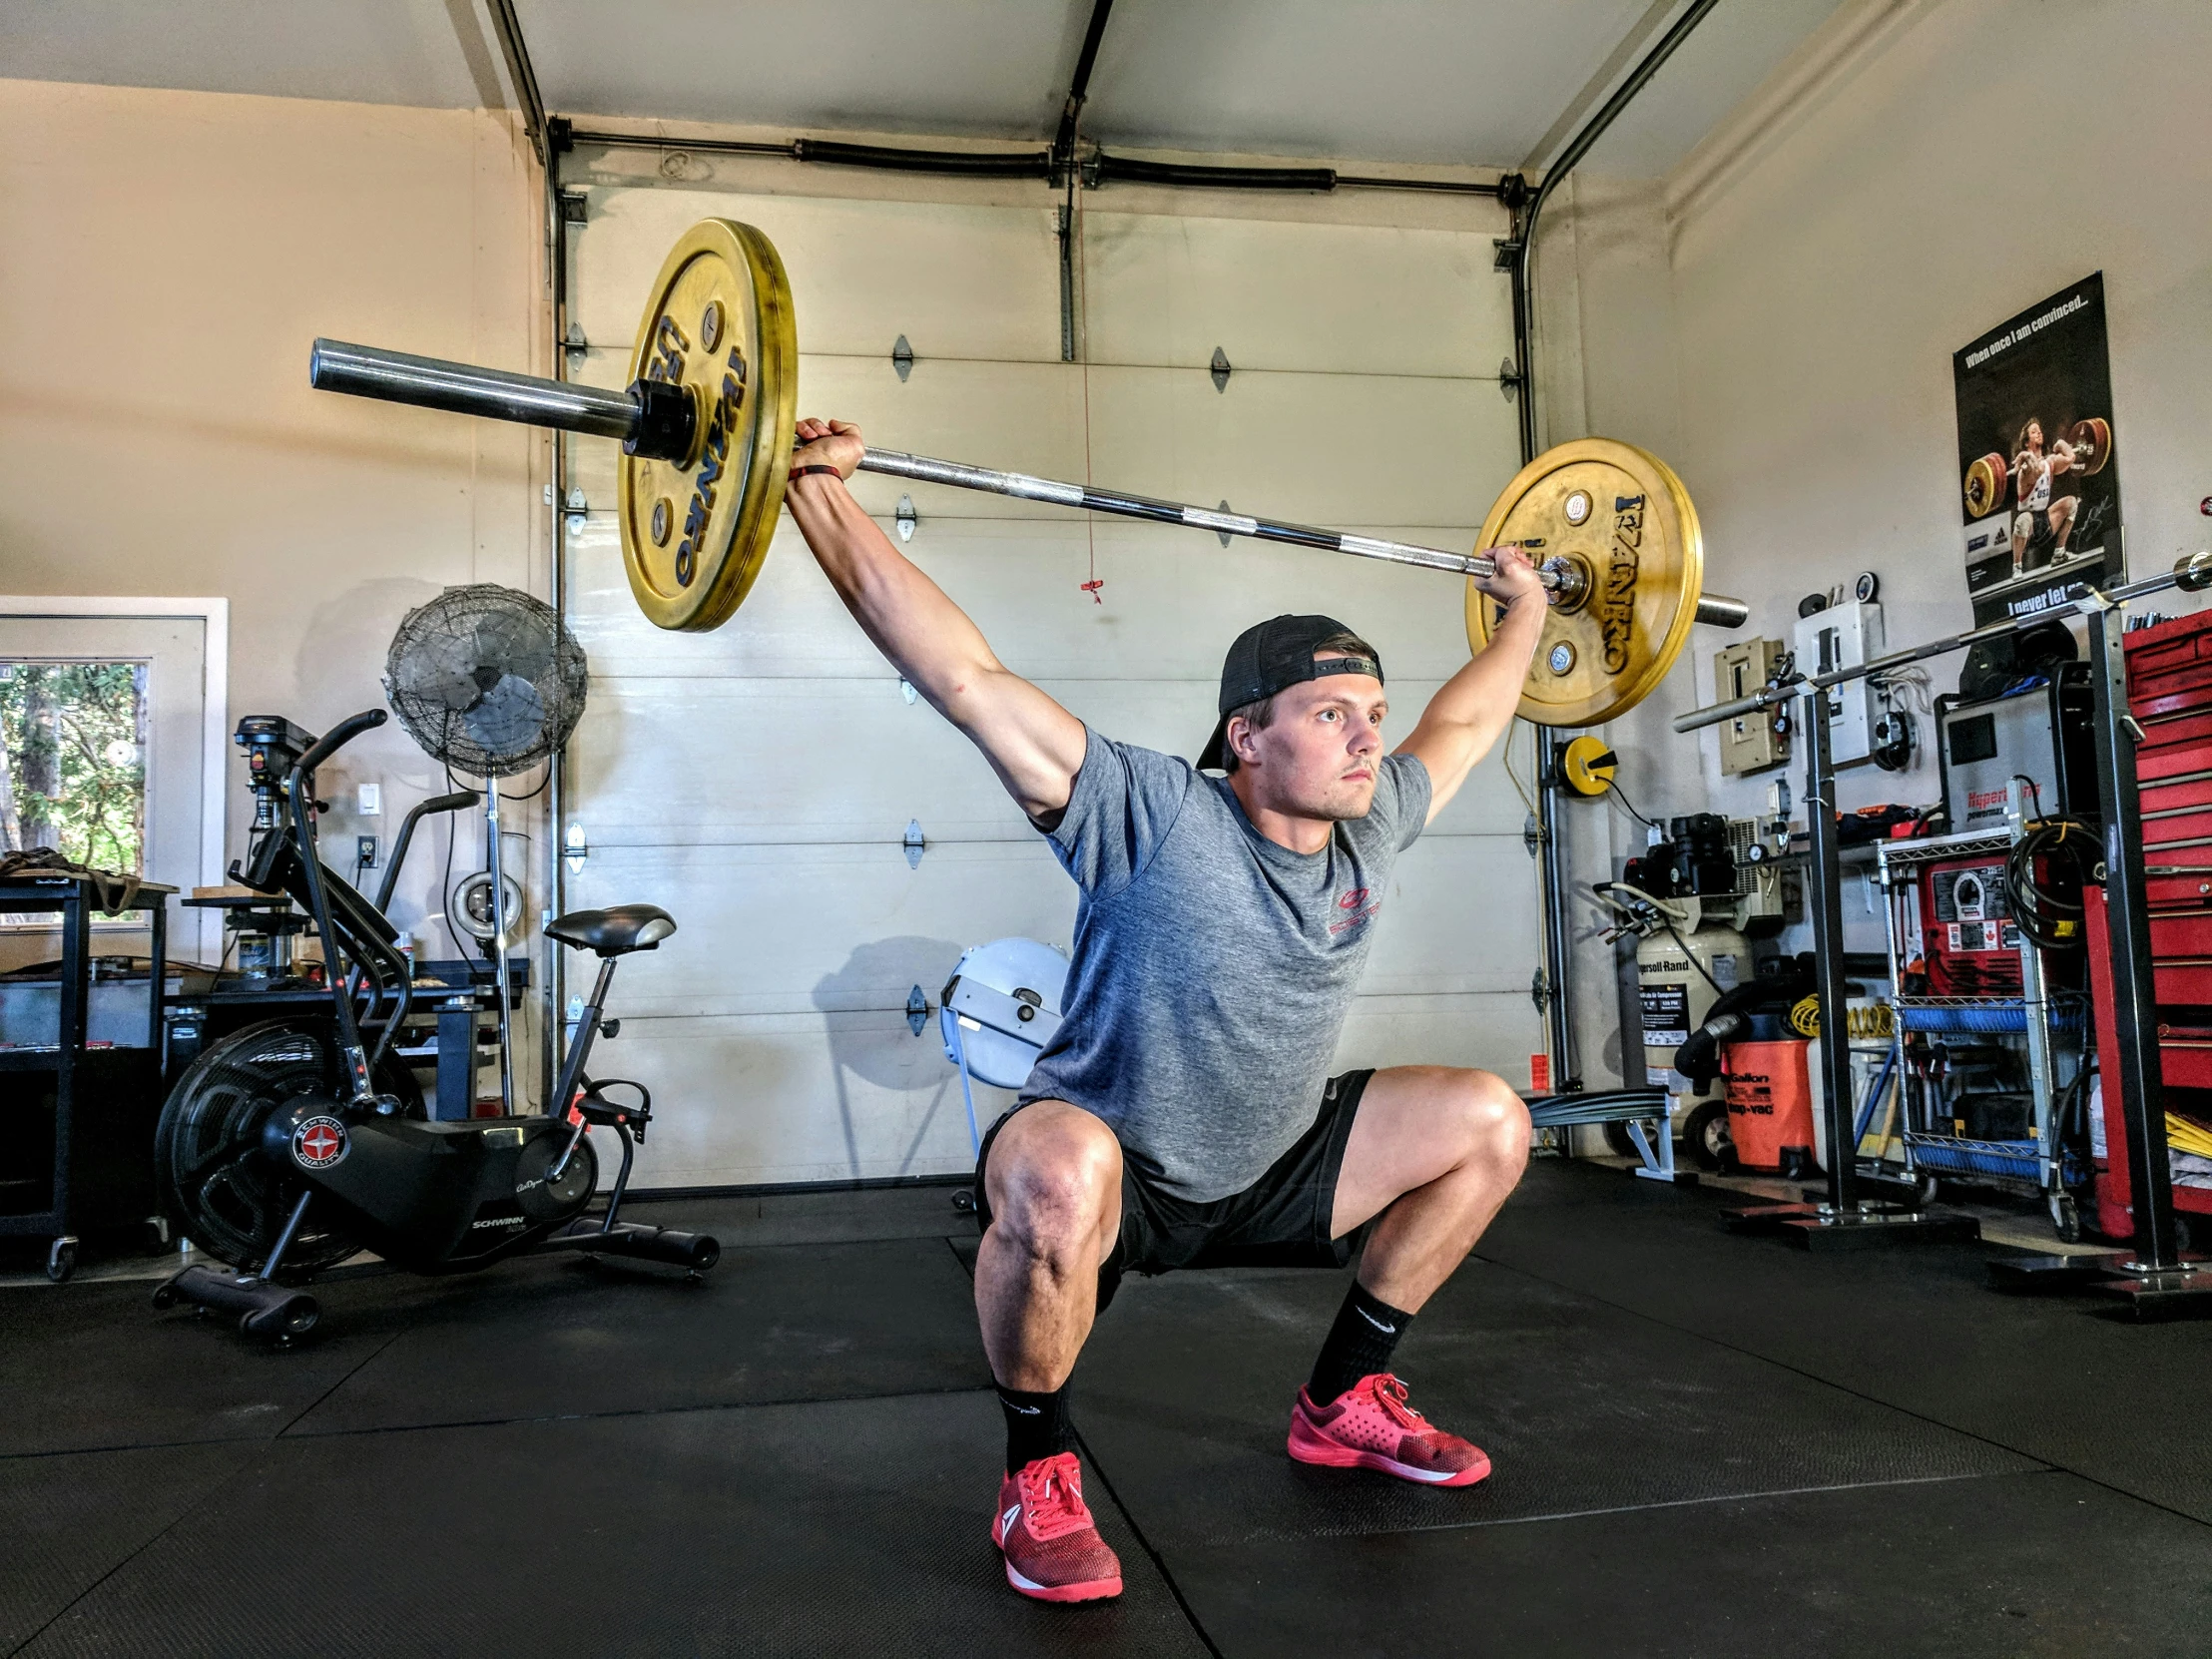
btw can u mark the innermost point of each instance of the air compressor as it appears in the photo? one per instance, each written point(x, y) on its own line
point(1686, 959)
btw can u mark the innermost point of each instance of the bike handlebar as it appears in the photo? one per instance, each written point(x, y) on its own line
point(344, 732)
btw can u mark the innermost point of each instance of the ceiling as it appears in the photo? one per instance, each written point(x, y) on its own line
point(1495, 83)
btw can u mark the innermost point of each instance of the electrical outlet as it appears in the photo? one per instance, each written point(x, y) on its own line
point(364, 852)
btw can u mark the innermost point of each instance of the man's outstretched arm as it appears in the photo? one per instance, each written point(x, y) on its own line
point(1034, 744)
point(1471, 708)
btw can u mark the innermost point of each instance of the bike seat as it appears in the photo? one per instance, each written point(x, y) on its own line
point(614, 931)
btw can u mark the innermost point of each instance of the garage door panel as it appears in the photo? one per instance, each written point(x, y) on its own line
point(1277, 294)
point(1323, 449)
point(835, 927)
point(1327, 449)
point(704, 762)
point(957, 282)
point(1497, 1032)
point(1460, 918)
point(794, 1097)
point(1173, 600)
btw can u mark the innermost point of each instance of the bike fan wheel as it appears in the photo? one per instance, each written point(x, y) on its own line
point(217, 1184)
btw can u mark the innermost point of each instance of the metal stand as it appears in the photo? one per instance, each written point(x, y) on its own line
point(499, 942)
point(1846, 1220)
point(1558, 955)
point(2154, 1278)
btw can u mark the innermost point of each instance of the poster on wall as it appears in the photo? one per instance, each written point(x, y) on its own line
point(2041, 498)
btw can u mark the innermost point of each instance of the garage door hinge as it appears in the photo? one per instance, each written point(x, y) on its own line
point(1220, 369)
point(1509, 378)
point(573, 207)
point(1533, 835)
point(574, 848)
point(906, 518)
point(1540, 989)
point(915, 842)
point(917, 1010)
point(574, 343)
point(1505, 253)
point(903, 358)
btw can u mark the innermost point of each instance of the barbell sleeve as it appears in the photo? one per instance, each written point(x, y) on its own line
point(463, 388)
point(493, 394)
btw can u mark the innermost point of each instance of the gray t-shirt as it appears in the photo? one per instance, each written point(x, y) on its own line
point(1213, 968)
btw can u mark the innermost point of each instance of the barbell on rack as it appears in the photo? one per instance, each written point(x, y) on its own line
point(707, 430)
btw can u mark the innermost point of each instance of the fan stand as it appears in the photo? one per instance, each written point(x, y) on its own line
point(499, 942)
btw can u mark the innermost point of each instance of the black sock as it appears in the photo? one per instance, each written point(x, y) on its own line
point(1036, 1425)
point(1361, 1341)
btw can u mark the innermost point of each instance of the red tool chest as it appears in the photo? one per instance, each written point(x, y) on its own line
point(2170, 691)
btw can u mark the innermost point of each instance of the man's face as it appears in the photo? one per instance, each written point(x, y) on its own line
point(1318, 756)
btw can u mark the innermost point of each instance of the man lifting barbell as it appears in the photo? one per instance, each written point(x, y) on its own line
point(2042, 524)
point(1182, 1116)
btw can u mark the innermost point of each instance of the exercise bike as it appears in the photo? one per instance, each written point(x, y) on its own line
point(292, 1144)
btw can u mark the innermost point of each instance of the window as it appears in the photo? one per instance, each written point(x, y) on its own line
point(73, 759)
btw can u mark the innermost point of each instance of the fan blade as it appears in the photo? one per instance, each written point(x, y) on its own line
point(510, 720)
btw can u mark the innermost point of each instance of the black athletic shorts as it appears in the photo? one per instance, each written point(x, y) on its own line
point(2041, 536)
point(1281, 1220)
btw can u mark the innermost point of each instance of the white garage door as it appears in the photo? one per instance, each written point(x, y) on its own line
point(757, 781)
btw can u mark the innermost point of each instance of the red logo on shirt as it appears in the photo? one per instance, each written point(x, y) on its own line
point(1357, 909)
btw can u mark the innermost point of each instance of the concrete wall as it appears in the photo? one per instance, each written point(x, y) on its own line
point(165, 260)
point(1778, 316)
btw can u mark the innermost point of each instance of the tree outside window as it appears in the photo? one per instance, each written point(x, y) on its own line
point(73, 761)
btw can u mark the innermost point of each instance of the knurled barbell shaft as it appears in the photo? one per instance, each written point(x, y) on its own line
point(397, 377)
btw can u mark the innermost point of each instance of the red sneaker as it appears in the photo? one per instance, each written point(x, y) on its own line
point(1052, 1547)
point(1369, 1426)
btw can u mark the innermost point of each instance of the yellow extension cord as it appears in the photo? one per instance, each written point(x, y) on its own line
point(2182, 1135)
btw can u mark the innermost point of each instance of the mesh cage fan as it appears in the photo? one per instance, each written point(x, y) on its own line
point(486, 679)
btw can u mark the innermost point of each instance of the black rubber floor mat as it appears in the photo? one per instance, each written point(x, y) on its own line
point(1184, 1393)
point(558, 1336)
point(91, 1366)
point(1990, 1568)
point(833, 1217)
point(853, 1527)
point(67, 1521)
point(2056, 1378)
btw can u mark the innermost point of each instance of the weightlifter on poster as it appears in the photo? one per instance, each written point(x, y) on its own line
point(1183, 1116)
point(2042, 524)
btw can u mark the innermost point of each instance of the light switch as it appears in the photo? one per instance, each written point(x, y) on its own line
point(372, 801)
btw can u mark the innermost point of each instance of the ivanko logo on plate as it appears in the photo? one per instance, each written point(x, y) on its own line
point(319, 1142)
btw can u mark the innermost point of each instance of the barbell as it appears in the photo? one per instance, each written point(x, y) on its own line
point(707, 431)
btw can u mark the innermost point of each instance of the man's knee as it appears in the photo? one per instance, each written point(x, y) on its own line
point(1053, 1179)
point(1493, 1119)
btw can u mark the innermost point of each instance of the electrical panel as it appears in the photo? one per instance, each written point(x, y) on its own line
point(1753, 742)
point(1845, 636)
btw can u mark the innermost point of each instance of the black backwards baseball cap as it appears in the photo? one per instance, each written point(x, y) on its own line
point(1270, 657)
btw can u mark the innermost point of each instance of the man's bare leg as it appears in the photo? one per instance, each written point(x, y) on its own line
point(2061, 524)
point(1435, 1151)
point(1053, 1184)
point(1432, 1153)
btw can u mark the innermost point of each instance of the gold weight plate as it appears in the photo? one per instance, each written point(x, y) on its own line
point(1625, 516)
point(719, 321)
point(1986, 481)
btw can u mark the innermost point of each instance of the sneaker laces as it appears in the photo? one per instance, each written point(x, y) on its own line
point(1391, 1395)
point(1052, 1496)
